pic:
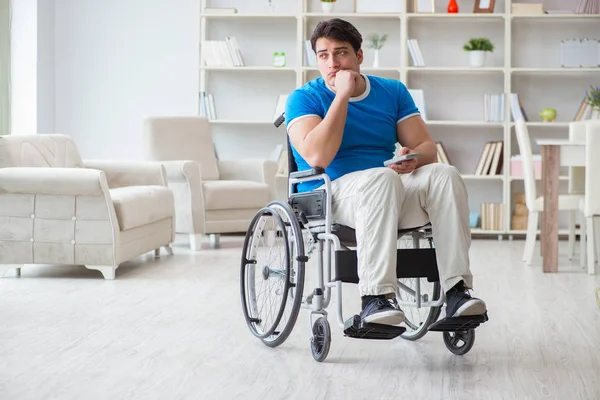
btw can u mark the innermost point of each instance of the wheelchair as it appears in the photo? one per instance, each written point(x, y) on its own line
point(281, 238)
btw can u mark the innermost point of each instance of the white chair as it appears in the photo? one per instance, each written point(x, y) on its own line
point(577, 186)
point(535, 203)
point(591, 203)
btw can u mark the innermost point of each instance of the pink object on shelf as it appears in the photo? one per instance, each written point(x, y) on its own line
point(516, 166)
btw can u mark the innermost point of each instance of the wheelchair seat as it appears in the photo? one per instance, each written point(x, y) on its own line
point(347, 235)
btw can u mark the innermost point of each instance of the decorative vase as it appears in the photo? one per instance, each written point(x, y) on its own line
point(376, 59)
point(327, 7)
point(452, 7)
point(595, 113)
point(477, 58)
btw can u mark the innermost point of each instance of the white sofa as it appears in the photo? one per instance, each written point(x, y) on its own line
point(57, 209)
point(211, 196)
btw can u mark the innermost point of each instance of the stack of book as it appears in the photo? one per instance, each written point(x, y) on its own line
point(584, 112)
point(491, 160)
point(207, 106)
point(310, 58)
point(492, 216)
point(493, 107)
point(415, 53)
point(222, 53)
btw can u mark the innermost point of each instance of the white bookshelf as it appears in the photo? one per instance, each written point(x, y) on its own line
point(526, 60)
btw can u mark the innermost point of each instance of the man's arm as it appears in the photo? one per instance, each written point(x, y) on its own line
point(318, 140)
point(412, 133)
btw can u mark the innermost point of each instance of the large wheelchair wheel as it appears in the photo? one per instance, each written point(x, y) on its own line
point(417, 319)
point(272, 273)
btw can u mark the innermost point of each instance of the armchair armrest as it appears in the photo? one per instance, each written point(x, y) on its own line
point(257, 170)
point(130, 173)
point(53, 181)
point(185, 179)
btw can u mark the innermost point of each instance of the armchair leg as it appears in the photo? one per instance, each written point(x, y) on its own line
point(214, 240)
point(108, 271)
point(157, 253)
point(169, 249)
point(195, 241)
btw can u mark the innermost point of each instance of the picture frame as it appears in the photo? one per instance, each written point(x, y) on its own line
point(424, 6)
point(484, 6)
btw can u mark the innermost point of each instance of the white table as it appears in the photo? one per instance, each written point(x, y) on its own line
point(555, 153)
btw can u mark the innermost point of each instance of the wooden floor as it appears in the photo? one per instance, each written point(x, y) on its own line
point(173, 329)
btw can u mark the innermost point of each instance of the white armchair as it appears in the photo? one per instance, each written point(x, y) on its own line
point(57, 209)
point(211, 196)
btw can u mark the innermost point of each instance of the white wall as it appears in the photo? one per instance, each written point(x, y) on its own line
point(45, 66)
point(117, 62)
point(23, 67)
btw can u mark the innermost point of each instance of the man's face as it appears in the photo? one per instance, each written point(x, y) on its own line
point(333, 56)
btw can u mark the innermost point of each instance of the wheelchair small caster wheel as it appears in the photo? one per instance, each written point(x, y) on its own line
point(459, 342)
point(321, 339)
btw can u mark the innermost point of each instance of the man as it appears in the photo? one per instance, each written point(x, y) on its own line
point(348, 123)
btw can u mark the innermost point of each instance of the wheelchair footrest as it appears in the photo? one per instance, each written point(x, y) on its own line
point(455, 324)
point(356, 328)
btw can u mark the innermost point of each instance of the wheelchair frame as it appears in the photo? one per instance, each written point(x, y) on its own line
point(418, 262)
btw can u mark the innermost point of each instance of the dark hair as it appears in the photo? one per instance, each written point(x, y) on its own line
point(337, 29)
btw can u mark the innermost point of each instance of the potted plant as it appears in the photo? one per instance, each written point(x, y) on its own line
point(376, 42)
point(478, 48)
point(593, 97)
point(327, 6)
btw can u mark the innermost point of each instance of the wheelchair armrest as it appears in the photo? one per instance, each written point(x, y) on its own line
point(308, 172)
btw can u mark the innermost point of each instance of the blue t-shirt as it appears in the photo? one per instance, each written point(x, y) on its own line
point(369, 136)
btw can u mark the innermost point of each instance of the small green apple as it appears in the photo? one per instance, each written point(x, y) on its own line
point(548, 114)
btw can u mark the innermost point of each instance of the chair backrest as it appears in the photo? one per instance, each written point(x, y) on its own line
point(577, 174)
point(181, 138)
point(592, 162)
point(44, 150)
point(527, 160)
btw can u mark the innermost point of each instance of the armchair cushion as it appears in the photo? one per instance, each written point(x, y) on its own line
point(140, 205)
point(40, 151)
point(226, 195)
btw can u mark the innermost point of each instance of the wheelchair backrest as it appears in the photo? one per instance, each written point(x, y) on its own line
point(292, 167)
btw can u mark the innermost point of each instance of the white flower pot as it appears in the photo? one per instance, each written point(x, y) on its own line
point(376, 59)
point(327, 7)
point(477, 58)
point(595, 113)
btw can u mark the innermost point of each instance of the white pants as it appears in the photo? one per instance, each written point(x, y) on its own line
point(377, 202)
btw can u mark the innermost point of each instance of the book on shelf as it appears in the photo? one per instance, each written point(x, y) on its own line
point(584, 112)
point(492, 216)
point(419, 98)
point(491, 159)
point(442, 155)
point(222, 53)
point(415, 53)
point(516, 108)
point(310, 58)
point(493, 107)
point(207, 106)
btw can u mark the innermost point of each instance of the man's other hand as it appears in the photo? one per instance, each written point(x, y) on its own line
point(405, 167)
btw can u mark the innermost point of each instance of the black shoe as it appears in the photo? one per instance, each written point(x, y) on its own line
point(381, 311)
point(459, 303)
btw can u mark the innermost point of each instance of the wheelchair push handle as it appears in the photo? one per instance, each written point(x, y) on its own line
point(279, 120)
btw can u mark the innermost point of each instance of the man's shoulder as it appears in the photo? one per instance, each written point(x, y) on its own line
point(313, 87)
point(387, 83)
